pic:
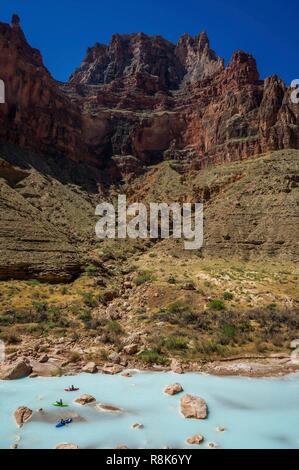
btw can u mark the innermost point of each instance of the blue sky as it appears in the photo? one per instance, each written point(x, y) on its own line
point(63, 29)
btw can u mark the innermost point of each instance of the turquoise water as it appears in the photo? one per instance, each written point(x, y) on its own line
point(257, 413)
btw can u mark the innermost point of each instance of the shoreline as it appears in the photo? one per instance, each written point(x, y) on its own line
point(280, 365)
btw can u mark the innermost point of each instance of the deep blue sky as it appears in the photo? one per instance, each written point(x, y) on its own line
point(63, 29)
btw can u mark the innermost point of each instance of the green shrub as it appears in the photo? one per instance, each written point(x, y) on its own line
point(114, 327)
point(143, 277)
point(33, 282)
point(171, 279)
point(85, 316)
point(175, 343)
point(178, 314)
point(89, 300)
point(217, 305)
point(90, 270)
point(152, 357)
point(228, 296)
point(40, 307)
point(10, 338)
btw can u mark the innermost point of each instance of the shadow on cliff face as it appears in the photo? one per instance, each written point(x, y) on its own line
point(58, 167)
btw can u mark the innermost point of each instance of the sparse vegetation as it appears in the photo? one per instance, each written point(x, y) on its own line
point(143, 277)
point(217, 305)
point(150, 357)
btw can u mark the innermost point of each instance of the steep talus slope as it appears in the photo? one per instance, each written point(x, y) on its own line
point(250, 207)
point(47, 216)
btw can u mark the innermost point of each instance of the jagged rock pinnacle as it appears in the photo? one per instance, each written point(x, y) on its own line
point(15, 20)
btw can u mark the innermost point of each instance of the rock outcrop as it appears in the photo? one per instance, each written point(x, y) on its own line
point(22, 415)
point(176, 366)
point(18, 370)
point(90, 368)
point(36, 113)
point(193, 407)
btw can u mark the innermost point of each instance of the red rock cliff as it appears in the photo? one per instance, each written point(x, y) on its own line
point(144, 96)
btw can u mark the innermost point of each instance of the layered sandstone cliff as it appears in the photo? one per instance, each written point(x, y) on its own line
point(146, 97)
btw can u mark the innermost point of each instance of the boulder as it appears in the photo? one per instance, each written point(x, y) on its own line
point(128, 285)
point(294, 344)
point(67, 446)
point(189, 286)
point(176, 366)
point(114, 357)
point(193, 407)
point(220, 429)
point(85, 400)
point(109, 408)
point(18, 370)
point(112, 369)
point(195, 440)
point(90, 368)
point(44, 359)
point(137, 426)
point(22, 415)
point(131, 349)
point(212, 445)
point(173, 389)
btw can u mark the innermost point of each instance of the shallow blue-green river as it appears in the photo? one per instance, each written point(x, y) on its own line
point(256, 413)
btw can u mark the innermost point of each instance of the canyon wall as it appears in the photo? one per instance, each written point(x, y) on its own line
point(146, 97)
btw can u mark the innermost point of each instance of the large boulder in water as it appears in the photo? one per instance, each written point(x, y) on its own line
point(173, 389)
point(85, 400)
point(22, 415)
point(193, 407)
point(17, 370)
point(195, 440)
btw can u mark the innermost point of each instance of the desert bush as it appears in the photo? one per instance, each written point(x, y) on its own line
point(228, 296)
point(10, 337)
point(152, 357)
point(90, 270)
point(89, 300)
point(74, 357)
point(114, 327)
point(175, 343)
point(143, 277)
point(217, 305)
point(178, 314)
